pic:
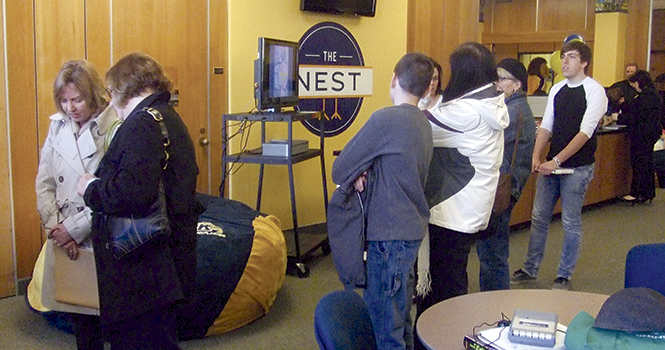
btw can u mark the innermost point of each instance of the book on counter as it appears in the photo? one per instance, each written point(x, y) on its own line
point(497, 339)
point(472, 342)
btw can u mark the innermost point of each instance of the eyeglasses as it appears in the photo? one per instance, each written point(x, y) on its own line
point(109, 91)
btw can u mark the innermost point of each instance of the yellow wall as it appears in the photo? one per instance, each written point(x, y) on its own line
point(609, 47)
point(382, 40)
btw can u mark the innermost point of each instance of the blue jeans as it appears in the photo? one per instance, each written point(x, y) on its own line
point(390, 284)
point(571, 189)
point(493, 252)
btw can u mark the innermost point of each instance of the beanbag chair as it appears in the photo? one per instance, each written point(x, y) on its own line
point(241, 264)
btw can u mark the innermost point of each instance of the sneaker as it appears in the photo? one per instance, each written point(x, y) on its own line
point(561, 283)
point(520, 276)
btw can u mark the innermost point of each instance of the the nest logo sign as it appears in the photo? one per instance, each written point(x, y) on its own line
point(333, 78)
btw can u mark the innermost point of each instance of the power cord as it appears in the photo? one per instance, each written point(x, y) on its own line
point(503, 322)
point(244, 129)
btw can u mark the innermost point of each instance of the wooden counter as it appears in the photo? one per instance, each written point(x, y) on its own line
point(611, 177)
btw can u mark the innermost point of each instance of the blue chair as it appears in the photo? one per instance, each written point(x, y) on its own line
point(341, 321)
point(645, 267)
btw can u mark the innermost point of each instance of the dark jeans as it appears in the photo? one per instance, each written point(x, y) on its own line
point(493, 253)
point(389, 291)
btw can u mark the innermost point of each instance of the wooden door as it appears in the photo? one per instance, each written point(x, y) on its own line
point(187, 37)
point(175, 33)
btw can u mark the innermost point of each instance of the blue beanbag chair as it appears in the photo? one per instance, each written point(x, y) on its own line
point(241, 264)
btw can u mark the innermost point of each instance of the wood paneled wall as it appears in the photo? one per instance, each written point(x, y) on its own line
point(528, 26)
point(437, 27)
point(536, 21)
point(7, 276)
point(187, 38)
point(535, 26)
point(23, 126)
point(658, 44)
point(637, 36)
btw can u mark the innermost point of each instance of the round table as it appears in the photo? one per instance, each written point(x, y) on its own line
point(444, 325)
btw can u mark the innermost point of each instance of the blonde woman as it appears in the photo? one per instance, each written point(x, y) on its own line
point(74, 146)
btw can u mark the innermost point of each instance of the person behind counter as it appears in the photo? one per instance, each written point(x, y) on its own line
point(538, 72)
point(641, 115)
point(626, 87)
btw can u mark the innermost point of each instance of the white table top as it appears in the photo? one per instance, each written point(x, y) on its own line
point(444, 325)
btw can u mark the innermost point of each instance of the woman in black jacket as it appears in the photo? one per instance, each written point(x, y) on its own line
point(642, 120)
point(140, 291)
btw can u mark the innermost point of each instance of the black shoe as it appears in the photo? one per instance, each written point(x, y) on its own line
point(644, 200)
point(561, 283)
point(520, 277)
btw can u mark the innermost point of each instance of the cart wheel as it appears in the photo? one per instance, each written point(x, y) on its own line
point(298, 269)
point(303, 270)
point(325, 247)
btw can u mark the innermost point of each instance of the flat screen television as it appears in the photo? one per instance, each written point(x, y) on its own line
point(276, 75)
point(352, 7)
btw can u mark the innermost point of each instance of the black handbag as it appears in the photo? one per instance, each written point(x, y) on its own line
point(129, 233)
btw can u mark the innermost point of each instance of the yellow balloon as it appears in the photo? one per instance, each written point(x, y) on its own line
point(558, 78)
point(555, 62)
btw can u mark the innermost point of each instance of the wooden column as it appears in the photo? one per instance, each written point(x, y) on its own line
point(610, 47)
point(637, 32)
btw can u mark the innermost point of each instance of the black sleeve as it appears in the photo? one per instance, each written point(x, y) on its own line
point(129, 173)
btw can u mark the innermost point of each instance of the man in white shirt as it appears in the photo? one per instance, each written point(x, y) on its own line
point(574, 108)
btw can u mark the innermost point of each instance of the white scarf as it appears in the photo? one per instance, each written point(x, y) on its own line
point(424, 283)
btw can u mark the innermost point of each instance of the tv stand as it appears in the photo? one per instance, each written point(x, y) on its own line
point(295, 264)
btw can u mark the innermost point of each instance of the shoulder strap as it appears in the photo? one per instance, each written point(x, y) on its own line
point(517, 137)
point(165, 133)
point(110, 133)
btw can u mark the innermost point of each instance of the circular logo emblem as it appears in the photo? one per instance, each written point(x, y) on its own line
point(333, 78)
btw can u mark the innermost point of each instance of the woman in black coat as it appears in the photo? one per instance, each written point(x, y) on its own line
point(140, 291)
point(642, 120)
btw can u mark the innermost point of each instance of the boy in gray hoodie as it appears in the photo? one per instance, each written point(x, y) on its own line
point(391, 152)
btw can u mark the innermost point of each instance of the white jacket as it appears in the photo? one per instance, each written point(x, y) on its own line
point(462, 193)
point(64, 159)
